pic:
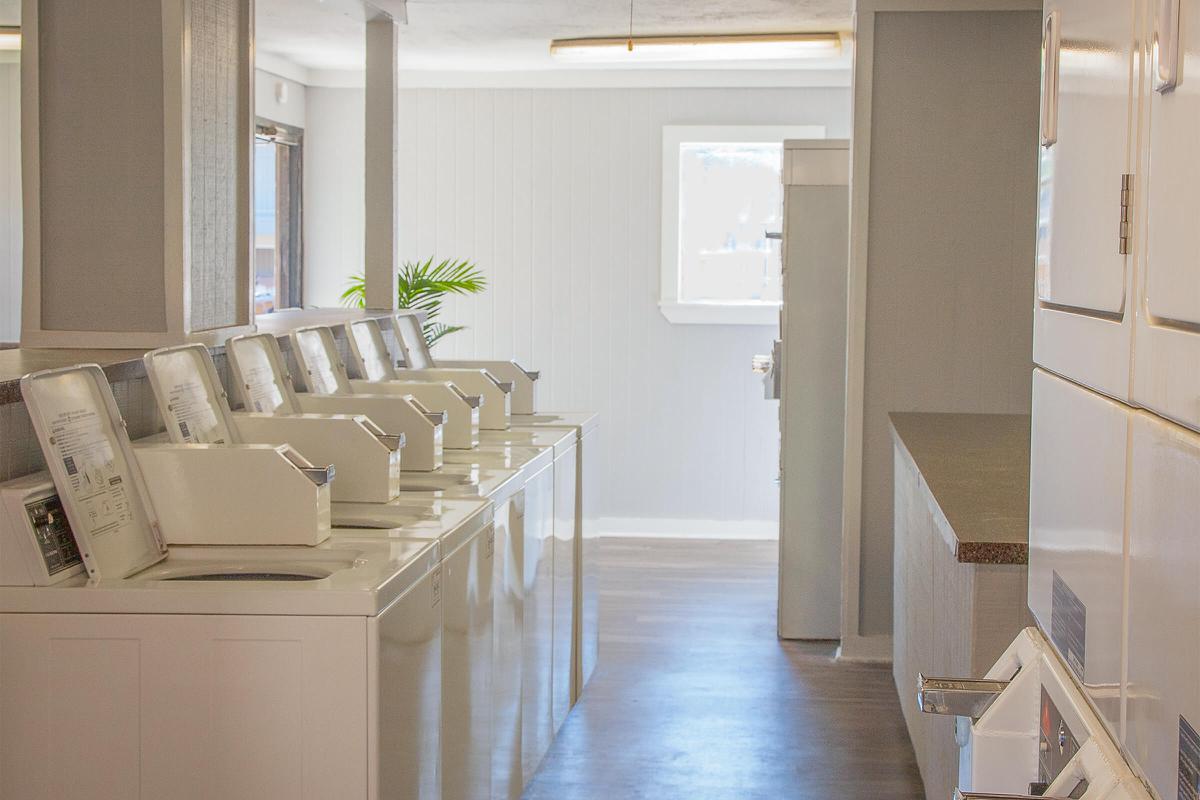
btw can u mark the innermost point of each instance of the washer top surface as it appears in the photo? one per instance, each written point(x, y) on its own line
point(450, 521)
point(582, 421)
point(463, 481)
point(528, 459)
point(335, 578)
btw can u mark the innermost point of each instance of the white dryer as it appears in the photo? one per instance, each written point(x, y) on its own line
point(182, 672)
point(1026, 729)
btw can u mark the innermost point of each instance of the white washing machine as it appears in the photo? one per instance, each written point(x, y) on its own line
point(562, 528)
point(322, 372)
point(371, 359)
point(374, 370)
point(587, 530)
point(260, 377)
point(575, 543)
point(506, 491)
point(259, 373)
point(194, 409)
point(533, 558)
point(199, 671)
point(414, 352)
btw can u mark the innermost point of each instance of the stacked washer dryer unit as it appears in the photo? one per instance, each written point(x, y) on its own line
point(134, 666)
point(521, 490)
point(1115, 477)
point(195, 411)
point(525, 417)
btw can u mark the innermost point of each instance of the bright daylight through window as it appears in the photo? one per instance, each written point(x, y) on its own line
point(722, 222)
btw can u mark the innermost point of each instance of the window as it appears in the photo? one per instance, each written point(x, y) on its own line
point(722, 196)
point(277, 240)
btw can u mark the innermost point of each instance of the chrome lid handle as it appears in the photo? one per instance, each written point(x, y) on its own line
point(319, 475)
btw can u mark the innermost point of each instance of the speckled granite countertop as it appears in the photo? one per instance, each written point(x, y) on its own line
point(976, 469)
point(121, 365)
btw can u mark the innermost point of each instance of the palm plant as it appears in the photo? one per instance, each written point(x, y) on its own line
point(421, 286)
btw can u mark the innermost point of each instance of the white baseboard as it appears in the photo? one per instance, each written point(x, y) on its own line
point(663, 528)
point(866, 649)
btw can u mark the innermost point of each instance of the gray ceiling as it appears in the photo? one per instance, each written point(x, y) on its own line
point(515, 34)
point(507, 34)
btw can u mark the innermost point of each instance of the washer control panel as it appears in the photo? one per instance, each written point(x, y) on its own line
point(37, 544)
point(52, 534)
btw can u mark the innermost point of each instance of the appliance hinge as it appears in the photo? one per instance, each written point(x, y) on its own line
point(1126, 213)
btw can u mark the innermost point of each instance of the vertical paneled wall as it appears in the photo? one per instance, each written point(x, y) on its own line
point(10, 203)
point(556, 194)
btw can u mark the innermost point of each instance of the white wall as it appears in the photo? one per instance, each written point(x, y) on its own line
point(556, 193)
point(10, 203)
point(333, 192)
point(266, 101)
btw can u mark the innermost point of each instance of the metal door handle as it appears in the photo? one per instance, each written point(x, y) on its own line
point(773, 234)
point(1167, 38)
point(1051, 35)
point(957, 697)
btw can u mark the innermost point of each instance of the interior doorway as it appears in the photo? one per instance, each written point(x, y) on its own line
point(278, 239)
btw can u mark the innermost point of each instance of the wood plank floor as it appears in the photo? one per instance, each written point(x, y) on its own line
point(695, 698)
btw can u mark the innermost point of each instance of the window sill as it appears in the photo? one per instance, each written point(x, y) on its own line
point(762, 314)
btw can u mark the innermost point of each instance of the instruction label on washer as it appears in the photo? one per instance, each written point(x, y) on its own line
point(322, 378)
point(1068, 624)
point(1189, 761)
point(192, 407)
point(375, 364)
point(259, 382)
point(93, 473)
point(262, 394)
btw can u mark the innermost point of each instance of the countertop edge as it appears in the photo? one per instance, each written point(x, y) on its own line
point(966, 552)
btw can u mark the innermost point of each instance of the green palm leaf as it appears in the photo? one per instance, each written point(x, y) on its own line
point(422, 286)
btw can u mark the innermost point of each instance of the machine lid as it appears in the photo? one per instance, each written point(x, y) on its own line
point(320, 365)
point(89, 455)
point(412, 343)
point(191, 399)
point(368, 351)
point(259, 373)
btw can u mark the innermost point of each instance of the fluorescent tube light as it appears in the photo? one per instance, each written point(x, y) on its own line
point(10, 38)
point(745, 47)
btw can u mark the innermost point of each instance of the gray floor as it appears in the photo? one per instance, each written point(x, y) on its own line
point(695, 697)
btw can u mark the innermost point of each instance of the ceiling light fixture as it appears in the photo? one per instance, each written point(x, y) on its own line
point(737, 47)
point(10, 38)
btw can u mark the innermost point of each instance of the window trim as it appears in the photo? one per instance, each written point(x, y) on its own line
point(682, 312)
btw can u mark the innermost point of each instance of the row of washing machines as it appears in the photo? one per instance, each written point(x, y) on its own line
point(379, 586)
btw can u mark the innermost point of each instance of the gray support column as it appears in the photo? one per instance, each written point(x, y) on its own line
point(381, 235)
